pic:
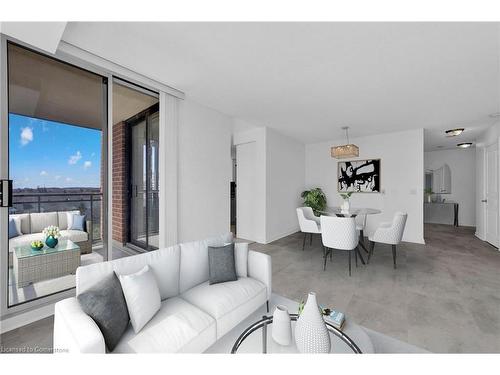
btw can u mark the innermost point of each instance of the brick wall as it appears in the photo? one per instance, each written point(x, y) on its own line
point(120, 181)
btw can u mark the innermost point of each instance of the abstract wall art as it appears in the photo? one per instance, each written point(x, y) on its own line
point(359, 176)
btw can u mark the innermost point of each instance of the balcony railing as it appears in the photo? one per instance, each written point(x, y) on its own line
point(89, 204)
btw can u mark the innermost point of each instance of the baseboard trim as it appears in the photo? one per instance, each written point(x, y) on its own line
point(279, 236)
point(28, 317)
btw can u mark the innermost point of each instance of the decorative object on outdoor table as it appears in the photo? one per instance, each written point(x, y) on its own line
point(37, 245)
point(311, 333)
point(51, 234)
point(282, 326)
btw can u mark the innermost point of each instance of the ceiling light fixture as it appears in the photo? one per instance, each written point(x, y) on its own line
point(454, 132)
point(464, 145)
point(345, 151)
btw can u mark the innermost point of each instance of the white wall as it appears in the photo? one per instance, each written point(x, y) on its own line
point(402, 177)
point(285, 182)
point(462, 164)
point(251, 210)
point(204, 172)
point(277, 164)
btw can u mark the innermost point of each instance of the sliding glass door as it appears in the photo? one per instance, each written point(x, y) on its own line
point(143, 161)
point(57, 157)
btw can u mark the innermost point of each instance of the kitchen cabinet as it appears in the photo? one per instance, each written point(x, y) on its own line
point(441, 180)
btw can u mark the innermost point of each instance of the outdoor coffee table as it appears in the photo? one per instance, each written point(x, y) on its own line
point(36, 265)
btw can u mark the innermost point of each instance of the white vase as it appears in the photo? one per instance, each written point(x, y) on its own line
point(282, 326)
point(344, 209)
point(311, 334)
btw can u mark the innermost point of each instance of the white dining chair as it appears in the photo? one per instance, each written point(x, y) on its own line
point(389, 233)
point(360, 227)
point(308, 223)
point(339, 233)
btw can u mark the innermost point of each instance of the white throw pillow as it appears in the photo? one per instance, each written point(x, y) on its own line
point(69, 219)
point(142, 296)
point(17, 222)
point(241, 259)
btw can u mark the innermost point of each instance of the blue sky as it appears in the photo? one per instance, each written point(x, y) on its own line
point(51, 154)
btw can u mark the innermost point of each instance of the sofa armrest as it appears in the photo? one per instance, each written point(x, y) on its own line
point(75, 331)
point(260, 268)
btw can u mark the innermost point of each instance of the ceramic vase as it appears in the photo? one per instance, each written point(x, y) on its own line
point(311, 334)
point(51, 241)
point(282, 326)
point(346, 205)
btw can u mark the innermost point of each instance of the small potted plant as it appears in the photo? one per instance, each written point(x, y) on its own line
point(51, 234)
point(346, 204)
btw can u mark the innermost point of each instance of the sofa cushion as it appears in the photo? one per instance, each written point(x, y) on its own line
point(194, 260)
point(177, 327)
point(229, 303)
point(25, 222)
point(40, 221)
point(164, 263)
point(142, 296)
point(221, 264)
point(241, 259)
point(78, 222)
point(62, 218)
point(14, 227)
point(23, 240)
point(106, 305)
point(74, 235)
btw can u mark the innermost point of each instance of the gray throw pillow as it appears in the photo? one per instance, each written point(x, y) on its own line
point(221, 264)
point(105, 304)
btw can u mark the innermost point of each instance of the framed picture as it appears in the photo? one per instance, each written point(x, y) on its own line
point(359, 176)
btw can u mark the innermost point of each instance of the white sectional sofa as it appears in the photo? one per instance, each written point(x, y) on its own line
point(193, 314)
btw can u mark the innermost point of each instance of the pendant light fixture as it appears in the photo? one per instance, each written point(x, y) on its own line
point(345, 151)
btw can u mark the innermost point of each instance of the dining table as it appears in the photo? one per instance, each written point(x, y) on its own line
point(353, 212)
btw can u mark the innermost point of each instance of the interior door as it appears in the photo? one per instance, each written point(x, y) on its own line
point(491, 199)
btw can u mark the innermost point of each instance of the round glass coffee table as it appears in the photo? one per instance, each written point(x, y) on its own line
point(257, 338)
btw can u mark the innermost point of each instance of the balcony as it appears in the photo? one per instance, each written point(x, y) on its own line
point(88, 202)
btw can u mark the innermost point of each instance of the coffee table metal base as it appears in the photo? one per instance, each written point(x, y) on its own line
point(266, 320)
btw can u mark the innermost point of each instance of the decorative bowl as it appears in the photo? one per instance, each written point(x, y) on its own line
point(37, 245)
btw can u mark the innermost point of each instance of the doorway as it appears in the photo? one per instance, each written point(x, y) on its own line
point(143, 179)
point(491, 196)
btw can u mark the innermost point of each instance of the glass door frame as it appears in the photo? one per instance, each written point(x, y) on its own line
point(5, 173)
point(143, 116)
point(168, 97)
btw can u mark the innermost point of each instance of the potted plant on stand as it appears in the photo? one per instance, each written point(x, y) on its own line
point(346, 205)
point(316, 199)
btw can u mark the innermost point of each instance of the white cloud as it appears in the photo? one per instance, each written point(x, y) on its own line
point(26, 135)
point(69, 179)
point(57, 177)
point(87, 164)
point(43, 173)
point(92, 154)
point(73, 159)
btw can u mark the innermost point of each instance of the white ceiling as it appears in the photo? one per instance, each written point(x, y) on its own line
point(309, 79)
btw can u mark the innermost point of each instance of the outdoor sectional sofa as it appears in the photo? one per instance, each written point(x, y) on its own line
point(33, 224)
